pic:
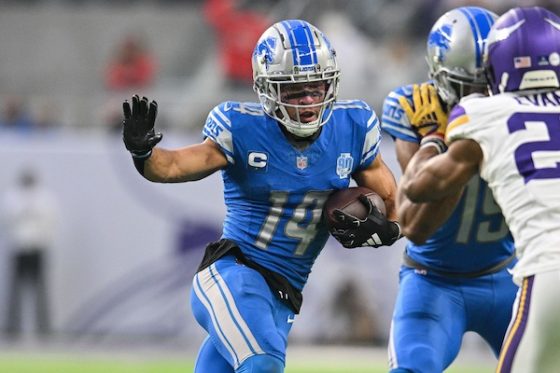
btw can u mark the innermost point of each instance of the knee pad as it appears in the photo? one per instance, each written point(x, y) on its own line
point(261, 364)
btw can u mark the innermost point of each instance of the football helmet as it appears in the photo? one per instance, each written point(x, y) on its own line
point(454, 52)
point(294, 51)
point(523, 51)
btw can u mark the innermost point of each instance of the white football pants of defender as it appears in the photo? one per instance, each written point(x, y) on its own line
point(532, 341)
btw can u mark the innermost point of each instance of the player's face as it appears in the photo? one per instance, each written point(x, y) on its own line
point(306, 98)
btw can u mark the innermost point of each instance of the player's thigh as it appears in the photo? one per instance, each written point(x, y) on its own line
point(210, 360)
point(531, 343)
point(428, 323)
point(238, 310)
point(490, 307)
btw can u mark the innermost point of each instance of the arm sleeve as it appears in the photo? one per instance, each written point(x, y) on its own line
point(218, 128)
point(394, 118)
point(372, 140)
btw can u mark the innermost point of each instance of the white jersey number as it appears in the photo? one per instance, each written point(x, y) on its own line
point(310, 208)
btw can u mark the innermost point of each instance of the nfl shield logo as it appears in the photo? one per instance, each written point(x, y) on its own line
point(344, 165)
point(301, 162)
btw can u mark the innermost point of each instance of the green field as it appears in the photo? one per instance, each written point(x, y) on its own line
point(32, 364)
point(63, 357)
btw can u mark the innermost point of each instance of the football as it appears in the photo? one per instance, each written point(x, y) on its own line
point(347, 201)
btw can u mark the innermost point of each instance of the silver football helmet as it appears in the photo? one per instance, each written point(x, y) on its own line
point(454, 52)
point(289, 52)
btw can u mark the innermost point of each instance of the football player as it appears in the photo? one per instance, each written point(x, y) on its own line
point(454, 278)
point(280, 159)
point(513, 139)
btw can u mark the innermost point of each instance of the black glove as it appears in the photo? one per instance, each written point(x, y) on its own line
point(138, 127)
point(375, 230)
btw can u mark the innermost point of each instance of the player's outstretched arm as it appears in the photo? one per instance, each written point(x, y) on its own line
point(190, 163)
point(431, 176)
point(161, 165)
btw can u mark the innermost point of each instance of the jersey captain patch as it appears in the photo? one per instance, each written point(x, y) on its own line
point(257, 160)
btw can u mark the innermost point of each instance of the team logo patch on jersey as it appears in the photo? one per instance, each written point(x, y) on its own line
point(301, 162)
point(344, 165)
point(257, 161)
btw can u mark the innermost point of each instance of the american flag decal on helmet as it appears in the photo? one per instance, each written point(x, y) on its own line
point(522, 62)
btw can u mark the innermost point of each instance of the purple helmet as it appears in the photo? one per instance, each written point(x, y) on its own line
point(523, 51)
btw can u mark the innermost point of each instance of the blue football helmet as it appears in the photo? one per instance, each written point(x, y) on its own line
point(289, 52)
point(455, 49)
point(523, 51)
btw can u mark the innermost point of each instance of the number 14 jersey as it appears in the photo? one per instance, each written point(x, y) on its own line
point(274, 193)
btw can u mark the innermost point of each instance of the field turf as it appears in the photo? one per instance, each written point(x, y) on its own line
point(31, 364)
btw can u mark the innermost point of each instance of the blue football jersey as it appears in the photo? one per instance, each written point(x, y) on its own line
point(475, 236)
point(274, 193)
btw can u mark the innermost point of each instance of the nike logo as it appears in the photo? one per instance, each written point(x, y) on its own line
point(554, 24)
point(291, 319)
point(504, 33)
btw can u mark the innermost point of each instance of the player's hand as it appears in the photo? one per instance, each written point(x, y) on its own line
point(428, 116)
point(375, 230)
point(139, 135)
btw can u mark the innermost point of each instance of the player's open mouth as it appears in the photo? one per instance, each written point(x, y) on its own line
point(308, 116)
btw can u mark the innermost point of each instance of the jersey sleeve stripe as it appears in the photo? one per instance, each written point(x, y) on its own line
point(371, 144)
point(224, 140)
point(394, 98)
point(350, 104)
point(223, 119)
point(372, 121)
point(370, 154)
point(457, 111)
point(459, 121)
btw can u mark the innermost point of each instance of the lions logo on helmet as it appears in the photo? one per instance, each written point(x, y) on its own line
point(264, 50)
point(439, 39)
point(289, 52)
point(454, 52)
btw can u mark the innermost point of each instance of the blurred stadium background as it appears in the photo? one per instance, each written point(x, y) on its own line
point(125, 250)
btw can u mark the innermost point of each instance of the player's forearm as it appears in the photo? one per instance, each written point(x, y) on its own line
point(418, 180)
point(173, 166)
point(420, 220)
point(379, 178)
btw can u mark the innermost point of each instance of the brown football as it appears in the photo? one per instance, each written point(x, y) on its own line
point(347, 201)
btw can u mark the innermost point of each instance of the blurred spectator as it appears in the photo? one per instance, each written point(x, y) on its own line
point(355, 322)
point(238, 31)
point(46, 117)
point(131, 66)
point(15, 115)
point(28, 215)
